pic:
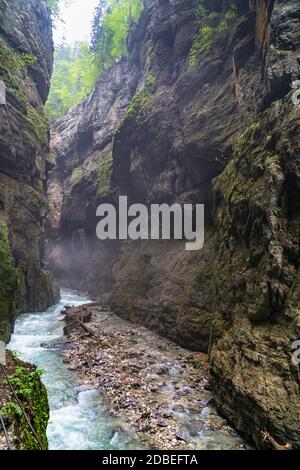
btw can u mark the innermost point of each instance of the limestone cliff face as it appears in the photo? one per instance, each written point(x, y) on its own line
point(25, 68)
point(213, 121)
point(136, 135)
point(82, 142)
point(256, 313)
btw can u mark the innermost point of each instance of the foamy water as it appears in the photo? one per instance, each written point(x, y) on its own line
point(78, 419)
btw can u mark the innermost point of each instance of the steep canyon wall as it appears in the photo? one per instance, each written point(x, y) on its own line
point(186, 118)
point(26, 51)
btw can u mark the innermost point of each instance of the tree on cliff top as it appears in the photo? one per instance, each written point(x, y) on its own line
point(74, 75)
point(112, 22)
point(77, 67)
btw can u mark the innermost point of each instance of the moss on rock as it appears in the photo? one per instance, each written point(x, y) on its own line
point(9, 284)
point(77, 176)
point(211, 25)
point(142, 98)
point(14, 72)
point(104, 174)
point(10, 64)
point(32, 395)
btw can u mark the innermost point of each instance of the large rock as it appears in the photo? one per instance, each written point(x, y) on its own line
point(9, 285)
point(82, 142)
point(25, 68)
point(223, 130)
point(256, 314)
point(144, 113)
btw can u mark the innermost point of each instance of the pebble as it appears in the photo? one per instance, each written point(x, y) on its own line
point(183, 436)
point(157, 398)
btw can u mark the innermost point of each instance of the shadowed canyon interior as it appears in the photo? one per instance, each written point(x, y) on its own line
point(160, 127)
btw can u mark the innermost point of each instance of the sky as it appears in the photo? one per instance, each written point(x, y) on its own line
point(75, 24)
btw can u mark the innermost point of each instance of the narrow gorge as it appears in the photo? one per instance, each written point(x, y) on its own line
point(203, 109)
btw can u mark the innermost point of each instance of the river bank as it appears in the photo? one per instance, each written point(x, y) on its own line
point(79, 419)
point(158, 390)
point(117, 386)
point(23, 406)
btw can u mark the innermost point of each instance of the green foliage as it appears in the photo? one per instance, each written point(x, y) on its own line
point(150, 58)
point(116, 22)
point(36, 126)
point(77, 67)
point(202, 42)
point(32, 394)
point(209, 29)
point(139, 102)
point(29, 59)
point(9, 282)
point(6, 260)
point(15, 354)
point(39, 123)
point(77, 175)
point(142, 98)
point(13, 70)
point(229, 17)
point(11, 409)
point(203, 14)
point(52, 156)
point(75, 73)
point(10, 64)
point(104, 173)
point(112, 22)
point(24, 381)
point(53, 4)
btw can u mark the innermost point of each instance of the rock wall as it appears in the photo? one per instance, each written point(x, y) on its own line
point(26, 51)
point(137, 134)
point(256, 314)
point(211, 120)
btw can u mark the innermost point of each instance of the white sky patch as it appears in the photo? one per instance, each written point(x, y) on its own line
point(75, 23)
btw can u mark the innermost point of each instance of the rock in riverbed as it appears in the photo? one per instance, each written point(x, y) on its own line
point(152, 384)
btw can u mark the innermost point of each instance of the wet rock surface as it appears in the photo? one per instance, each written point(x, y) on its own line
point(223, 132)
point(25, 32)
point(153, 154)
point(158, 388)
point(255, 382)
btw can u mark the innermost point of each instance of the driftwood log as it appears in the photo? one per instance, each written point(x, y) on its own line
point(78, 317)
point(82, 313)
point(73, 315)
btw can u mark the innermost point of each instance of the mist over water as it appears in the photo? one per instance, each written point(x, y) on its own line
point(78, 419)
